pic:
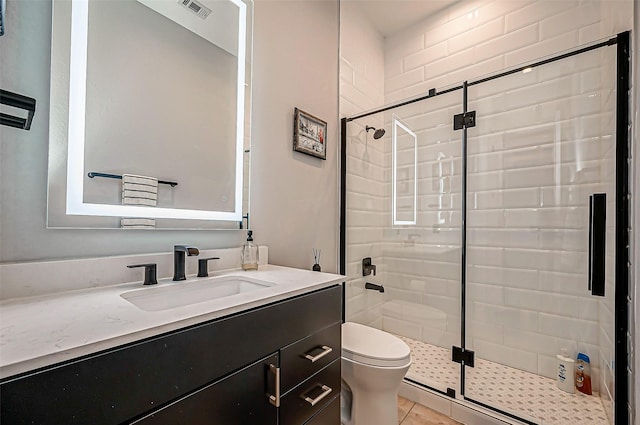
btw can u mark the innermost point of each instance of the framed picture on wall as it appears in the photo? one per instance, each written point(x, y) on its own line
point(3, 6)
point(309, 134)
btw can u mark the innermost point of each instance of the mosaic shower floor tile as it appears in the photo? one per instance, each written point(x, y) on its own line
point(524, 394)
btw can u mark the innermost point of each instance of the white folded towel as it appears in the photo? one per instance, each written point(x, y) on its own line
point(144, 188)
point(139, 201)
point(138, 223)
point(145, 180)
point(132, 195)
point(139, 190)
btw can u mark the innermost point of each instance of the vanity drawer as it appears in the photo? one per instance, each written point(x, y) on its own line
point(309, 355)
point(308, 398)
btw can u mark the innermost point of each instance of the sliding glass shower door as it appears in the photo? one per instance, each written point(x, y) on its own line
point(543, 145)
point(403, 197)
point(422, 237)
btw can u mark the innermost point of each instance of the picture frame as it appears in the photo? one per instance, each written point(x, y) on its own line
point(309, 134)
point(3, 7)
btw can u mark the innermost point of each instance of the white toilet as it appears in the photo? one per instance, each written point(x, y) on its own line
point(373, 365)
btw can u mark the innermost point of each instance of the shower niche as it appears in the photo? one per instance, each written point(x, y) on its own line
point(475, 205)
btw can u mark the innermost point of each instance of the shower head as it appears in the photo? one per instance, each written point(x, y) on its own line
point(376, 133)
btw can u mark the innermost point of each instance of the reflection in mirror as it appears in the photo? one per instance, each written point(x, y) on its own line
point(158, 93)
point(404, 173)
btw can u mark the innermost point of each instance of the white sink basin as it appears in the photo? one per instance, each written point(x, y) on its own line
point(179, 294)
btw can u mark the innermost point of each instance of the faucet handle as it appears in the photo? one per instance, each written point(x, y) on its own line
point(203, 270)
point(150, 272)
point(367, 267)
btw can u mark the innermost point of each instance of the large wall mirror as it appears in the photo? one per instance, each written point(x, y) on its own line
point(150, 113)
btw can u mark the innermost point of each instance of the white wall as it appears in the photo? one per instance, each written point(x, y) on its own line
point(306, 215)
point(295, 196)
point(478, 37)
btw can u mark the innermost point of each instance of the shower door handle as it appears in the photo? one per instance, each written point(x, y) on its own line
point(597, 242)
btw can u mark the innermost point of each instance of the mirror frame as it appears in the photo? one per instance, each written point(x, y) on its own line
point(75, 204)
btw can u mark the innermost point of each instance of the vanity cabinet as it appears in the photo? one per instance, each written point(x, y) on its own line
point(275, 364)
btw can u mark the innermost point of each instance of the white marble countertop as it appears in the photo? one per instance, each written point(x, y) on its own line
point(43, 330)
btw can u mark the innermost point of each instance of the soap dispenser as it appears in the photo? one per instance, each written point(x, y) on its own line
point(250, 253)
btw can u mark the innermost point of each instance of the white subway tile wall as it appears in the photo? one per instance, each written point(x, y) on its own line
point(362, 88)
point(544, 143)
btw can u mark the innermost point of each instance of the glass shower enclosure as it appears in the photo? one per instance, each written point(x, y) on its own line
point(495, 212)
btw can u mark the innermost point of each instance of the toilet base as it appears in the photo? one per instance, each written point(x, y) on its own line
point(369, 408)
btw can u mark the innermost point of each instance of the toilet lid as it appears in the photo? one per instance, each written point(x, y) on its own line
point(372, 346)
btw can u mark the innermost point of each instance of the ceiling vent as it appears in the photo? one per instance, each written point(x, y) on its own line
point(196, 7)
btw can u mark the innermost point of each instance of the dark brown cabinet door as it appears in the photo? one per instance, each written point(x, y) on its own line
point(239, 399)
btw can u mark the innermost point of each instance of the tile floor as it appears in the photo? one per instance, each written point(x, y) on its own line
point(524, 394)
point(410, 413)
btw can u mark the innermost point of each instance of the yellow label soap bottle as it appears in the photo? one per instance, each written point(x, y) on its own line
point(250, 253)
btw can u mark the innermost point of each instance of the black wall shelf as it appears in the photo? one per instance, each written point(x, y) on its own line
point(17, 101)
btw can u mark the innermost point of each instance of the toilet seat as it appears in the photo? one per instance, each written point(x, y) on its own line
point(373, 347)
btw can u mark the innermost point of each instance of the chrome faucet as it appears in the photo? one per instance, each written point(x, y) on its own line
point(179, 254)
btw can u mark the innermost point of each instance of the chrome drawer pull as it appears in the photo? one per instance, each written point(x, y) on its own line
point(313, 401)
point(275, 399)
point(325, 350)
